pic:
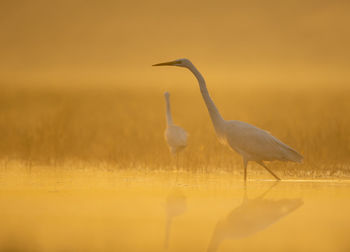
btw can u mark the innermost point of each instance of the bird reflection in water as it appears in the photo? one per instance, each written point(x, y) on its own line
point(252, 216)
point(176, 205)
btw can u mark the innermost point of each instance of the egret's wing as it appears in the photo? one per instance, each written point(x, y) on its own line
point(258, 144)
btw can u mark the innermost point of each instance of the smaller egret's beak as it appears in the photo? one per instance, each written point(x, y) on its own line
point(170, 63)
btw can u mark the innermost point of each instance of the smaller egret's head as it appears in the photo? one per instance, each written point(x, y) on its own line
point(178, 63)
point(166, 94)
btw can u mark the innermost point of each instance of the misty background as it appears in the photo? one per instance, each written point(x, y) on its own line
point(235, 43)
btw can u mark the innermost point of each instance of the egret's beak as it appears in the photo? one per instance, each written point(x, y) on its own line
point(170, 63)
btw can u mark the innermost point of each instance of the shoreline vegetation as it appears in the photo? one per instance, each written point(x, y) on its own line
point(123, 129)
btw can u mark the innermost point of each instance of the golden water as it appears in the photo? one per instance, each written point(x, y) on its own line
point(103, 210)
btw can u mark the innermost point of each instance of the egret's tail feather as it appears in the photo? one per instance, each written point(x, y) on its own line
point(288, 153)
point(294, 156)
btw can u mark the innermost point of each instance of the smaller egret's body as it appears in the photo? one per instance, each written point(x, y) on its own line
point(175, 136)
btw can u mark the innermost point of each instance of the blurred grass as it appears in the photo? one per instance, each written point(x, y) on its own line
point(124, 127)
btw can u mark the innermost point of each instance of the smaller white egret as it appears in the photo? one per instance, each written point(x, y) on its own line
point(175, 136)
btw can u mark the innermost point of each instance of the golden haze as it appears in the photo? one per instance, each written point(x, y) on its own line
point(240, 43)
point(83, 161)
point(125, 127)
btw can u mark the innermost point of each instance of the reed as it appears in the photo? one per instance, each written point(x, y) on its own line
point(124, 127)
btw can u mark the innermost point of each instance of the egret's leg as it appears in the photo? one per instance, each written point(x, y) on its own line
point(263, 165)
point(174, 163)
point(177, 167)
point(245, 164)
point(245, 193)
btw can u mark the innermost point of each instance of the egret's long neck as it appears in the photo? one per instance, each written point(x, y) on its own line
point(169, 118)
point(214, 113)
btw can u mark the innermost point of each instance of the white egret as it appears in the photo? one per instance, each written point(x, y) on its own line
point(252, 143)
point(175, 136)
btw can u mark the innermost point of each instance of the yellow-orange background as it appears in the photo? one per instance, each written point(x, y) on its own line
point(83, 161)
point(235, 43)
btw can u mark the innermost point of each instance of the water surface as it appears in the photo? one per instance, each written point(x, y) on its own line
point(168, 211)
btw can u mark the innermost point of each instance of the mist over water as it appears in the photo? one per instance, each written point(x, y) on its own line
point(125, 128)
point(110, 210)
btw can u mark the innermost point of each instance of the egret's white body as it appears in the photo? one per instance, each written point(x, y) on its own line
point(175, 136)
point(252, 143)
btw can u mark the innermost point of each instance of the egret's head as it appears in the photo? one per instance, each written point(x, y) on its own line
point(166, 94)
point(178, 63)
